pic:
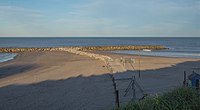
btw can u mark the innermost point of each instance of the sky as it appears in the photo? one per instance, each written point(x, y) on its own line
point(101, 18)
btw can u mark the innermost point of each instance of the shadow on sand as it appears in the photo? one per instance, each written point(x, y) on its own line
point(10, 70)
point(86, 93)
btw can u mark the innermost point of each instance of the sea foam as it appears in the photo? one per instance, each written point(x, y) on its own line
point(6, 57)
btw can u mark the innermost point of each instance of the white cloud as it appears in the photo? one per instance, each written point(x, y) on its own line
point(111, 17)
point(16, 21)
point(161, 18)
point(19, 11)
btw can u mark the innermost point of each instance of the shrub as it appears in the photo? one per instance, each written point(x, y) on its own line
point(182, 98)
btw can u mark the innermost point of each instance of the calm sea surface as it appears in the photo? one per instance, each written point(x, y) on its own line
point(179, 46)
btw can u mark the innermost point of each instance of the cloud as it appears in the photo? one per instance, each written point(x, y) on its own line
point(19, 11)
point(12, 15)
point(133, 17)
point(16, 21)
point(109, 17)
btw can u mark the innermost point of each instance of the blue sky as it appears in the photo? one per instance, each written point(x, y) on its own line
point(134, 18)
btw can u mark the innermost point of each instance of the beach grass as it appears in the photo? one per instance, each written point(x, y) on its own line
point(183, 98)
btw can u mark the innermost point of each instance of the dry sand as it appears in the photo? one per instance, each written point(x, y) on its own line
point(158, 74)
point(60, 80)
point(55, 80)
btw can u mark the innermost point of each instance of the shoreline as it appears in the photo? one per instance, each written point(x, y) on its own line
point(126, 54)
point(89, 51)
point(8, 59)
point(155, 56)
point(135, 55)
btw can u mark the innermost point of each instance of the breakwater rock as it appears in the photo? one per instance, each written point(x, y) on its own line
point(85, 48)
point(74, 50)
point(140, 47)
point(17, 50)
point(77, 51)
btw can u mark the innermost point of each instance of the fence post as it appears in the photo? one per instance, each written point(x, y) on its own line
point(184, 79)
point(139, 66)
point(114, 86)
point(197, 84)
point(133, 88)
point(117, 98)
point(116, 92)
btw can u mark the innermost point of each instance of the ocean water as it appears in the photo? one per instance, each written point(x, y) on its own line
point(6, 57)
point(178, 46)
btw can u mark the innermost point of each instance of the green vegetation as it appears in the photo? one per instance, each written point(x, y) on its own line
point(183, 98)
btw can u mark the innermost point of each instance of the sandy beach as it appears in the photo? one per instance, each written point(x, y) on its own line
point(54, 80)
point(60, 80)
point(157, 74)
point(99, 54)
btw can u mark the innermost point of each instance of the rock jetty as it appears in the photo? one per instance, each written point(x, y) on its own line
point(17, 50)
point(83, 50)
point(77, 51)
point(140, 47)
point(86, 48)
